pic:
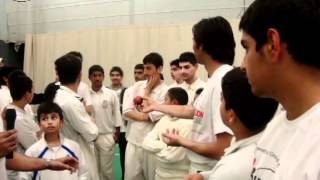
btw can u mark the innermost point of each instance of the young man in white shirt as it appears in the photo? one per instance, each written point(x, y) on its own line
point(175, 72)
point(214, 48)
point(138, 164)
point(106, 111)
point(171, 162)
point(246, 115)
point(281, 39)
point(189, 66)
point(78, 125)
point(53, 145)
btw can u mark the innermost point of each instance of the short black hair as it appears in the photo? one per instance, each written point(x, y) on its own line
point(19, 84)
point(95, 68)
point(50, 91)
point(49, 107)
point(153, 58)
point(76, 53)
point(199, 91)
point(68, 68)
point(174, 62)
point(254, 112)
point(179, 94)
point(116, 69)
point(138, 66)
point(297, 21)
point(216, 37)
point(188, 57)
point(4, 73)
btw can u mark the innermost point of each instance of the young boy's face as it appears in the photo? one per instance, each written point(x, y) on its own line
point(51, 122)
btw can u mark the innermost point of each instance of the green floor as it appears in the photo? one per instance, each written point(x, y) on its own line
point(117, 166)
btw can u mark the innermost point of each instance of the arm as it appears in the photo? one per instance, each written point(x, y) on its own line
point(25, 163)
point(116, 117)
point(194, 177)
point(212, 150)
point(152, 141)
point(172, 110)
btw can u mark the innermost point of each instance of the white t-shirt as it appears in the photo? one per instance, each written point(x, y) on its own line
point(289, 149)
point(236, 162)
point(192, 88)
point(172, 162)
point(67, 148)
point(207, 120)
point(106, 110)
point(5, 97)
point(137, 130)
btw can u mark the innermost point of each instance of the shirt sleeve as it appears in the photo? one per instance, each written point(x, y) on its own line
point(27, 132)
point(152, 141)
point(80, 120)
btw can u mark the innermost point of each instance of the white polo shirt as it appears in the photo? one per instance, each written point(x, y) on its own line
point(67, 148)
point(137, 130)
point(84, 92)
point(192, 88)
point(5, 97)
point(106, 110)
point(236, 162)
point(207, 121)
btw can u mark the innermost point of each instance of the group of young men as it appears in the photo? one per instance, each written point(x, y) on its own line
point(228, 132)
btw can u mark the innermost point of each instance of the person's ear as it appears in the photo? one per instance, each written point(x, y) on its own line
point(273, 46)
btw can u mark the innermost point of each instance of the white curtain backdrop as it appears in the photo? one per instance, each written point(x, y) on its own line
point(116, 46)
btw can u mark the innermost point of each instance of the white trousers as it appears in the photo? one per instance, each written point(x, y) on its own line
point(139, 164)
point(105, 147)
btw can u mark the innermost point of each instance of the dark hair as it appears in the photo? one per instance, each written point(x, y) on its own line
point(49, 107)
point(116, 69)
point(216, 37)
point(76, 53)
point(199, 91)
point(95, 68)
point(153, 58)
point(4, 73)
point(50, 91)
point(254, 112)
point(68, 68)
point(174, 62)
point(188, 57)
point(138, 66)
point(19, 84)
point(178, 94)
point(297, 21)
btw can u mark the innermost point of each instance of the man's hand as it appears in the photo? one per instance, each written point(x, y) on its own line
point(193, 177)
point(8, 142)
point(66, 163)
point(149, 105)
point(153, 81)
point(116, 135)
point(172, 138)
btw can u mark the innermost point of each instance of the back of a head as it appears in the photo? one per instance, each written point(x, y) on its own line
point(153, 58)
point(68, 68)
point(76, 53)
point(179, 94)
point(4, 73)
point(116, 69)
point(188, 57)
point(47, 108)
point(297, 21)
point(19, 84)
point(50, 91)
point(216, 37)
point(254, 112)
